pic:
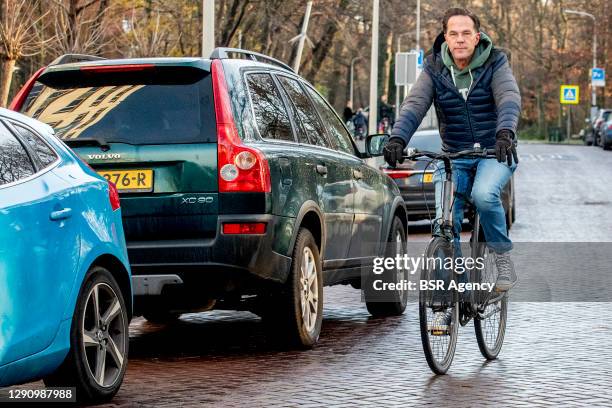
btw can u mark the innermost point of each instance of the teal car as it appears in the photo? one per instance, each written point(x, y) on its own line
point(65, 287)
point(240, 187)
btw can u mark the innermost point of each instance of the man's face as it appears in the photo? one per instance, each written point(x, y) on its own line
point(461, 37)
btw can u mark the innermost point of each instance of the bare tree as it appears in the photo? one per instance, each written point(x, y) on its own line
point(146, 37)
point(78, 26)
point(18, 38)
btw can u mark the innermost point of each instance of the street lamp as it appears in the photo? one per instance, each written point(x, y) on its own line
point(373, 118)
point(585, 14)
point(351, 78)
point(208, 27)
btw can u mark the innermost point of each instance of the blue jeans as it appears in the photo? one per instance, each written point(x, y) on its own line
point(482, 180)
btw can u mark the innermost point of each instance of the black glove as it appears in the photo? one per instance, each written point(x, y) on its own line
point(505, 148)
point(393, 151)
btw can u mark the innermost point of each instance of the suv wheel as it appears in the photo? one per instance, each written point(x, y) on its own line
point(298, 312)
point(394, 301)
point(99, 341)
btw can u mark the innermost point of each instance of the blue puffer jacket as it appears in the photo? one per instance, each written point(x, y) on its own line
point(493, 102)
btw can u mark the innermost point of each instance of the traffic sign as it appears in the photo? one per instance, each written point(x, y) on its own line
point(598, 77)
point(405, 68)
point(419, 57)
point(570, 94)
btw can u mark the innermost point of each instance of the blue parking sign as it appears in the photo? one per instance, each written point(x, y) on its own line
point(598, 77)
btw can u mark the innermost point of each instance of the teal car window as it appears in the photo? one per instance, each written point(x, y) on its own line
point(270, 114)
point(15, 163)
point(306, 112)
point(45, 154)
point(337, 131)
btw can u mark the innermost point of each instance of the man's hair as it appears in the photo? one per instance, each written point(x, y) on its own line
point(459, 11)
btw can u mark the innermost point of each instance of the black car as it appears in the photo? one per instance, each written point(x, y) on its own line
point(598, 125)
point(414, 179)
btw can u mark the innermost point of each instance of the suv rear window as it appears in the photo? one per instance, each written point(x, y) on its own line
point(135, 111)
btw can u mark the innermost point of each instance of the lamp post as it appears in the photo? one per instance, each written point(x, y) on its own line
point(591, 16)
point(351, 79)
point(208, 27)
point(373, 117)
point(301, 38)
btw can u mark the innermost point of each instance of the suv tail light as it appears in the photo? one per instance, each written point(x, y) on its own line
point(23, 93)
point(113, 196)
point(244, 228)
point(610, 126)
point(117, 68)
point(241, 168)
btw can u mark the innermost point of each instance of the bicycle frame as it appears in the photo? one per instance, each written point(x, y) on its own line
point(470, 306)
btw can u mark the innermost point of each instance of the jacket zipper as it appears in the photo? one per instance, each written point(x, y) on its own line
point(470, 121)
point(454, 88)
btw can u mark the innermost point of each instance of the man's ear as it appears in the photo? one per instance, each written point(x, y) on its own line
point(477, 37)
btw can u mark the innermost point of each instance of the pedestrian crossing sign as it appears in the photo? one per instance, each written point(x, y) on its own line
point(570, 94)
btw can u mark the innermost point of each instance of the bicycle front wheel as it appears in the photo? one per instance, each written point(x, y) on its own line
point(490, 323)
point(438, 308)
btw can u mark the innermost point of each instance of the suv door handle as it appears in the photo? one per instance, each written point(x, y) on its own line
point(60, 214)
point(357, 175)
point(322, 169)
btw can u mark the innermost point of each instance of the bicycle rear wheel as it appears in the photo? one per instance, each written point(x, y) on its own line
point(490, 323)
point(438, 345)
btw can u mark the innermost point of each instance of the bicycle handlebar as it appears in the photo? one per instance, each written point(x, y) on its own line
point(485, 153)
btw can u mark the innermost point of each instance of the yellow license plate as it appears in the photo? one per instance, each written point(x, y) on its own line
point(427, 177)
point(130, 181)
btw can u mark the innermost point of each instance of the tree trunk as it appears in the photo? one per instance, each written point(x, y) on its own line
point(387, 66)
point(6, 74)
point(322, 47)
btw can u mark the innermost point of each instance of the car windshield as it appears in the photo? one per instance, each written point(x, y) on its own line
point(134, 113)
point(426, 140)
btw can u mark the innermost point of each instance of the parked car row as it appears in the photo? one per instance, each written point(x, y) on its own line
point(599, 133)
point(234, 183)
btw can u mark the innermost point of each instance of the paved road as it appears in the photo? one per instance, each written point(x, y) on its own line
point(555, 353)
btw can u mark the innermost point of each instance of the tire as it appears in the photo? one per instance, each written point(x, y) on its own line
point(91, 340)
point(393, 303)
point(439, 362)
point(160, 317)
point(490, 325)
point(296, 313)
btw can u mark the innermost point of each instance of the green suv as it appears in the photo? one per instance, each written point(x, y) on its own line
point(240, 187)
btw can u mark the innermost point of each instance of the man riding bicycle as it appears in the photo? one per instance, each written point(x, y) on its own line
point(477, 100)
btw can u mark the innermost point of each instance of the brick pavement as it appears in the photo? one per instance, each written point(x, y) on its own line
point(554, 354)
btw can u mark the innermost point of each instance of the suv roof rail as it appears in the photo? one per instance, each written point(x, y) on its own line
point(223, 53)
point(69, 58)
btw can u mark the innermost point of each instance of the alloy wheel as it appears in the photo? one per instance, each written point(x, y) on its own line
point(104, 337)
point(309, 290)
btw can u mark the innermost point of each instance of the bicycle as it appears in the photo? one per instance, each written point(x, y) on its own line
point(487, 308)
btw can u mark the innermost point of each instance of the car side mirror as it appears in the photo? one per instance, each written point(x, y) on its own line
point(375, 144)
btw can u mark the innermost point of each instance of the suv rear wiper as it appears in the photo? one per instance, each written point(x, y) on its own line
point(98, 141)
